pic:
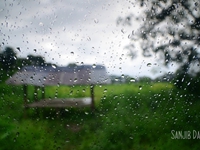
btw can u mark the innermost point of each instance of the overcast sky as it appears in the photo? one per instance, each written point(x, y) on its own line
point(71, 31)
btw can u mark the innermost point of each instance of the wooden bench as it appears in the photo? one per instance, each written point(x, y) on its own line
point(62, 103)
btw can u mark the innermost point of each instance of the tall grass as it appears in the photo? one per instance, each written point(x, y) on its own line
point(127, 116)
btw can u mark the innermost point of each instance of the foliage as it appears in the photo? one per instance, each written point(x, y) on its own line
point(188, 83)
point(128, 116)
point(8, 58)
point(143, 120)
point(171, 28)
point(36, 60)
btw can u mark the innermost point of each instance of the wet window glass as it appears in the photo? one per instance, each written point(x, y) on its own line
point(99, 74)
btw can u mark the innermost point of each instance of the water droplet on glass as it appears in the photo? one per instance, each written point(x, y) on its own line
point(41, 24)
point(116, 79)
point(72, 53)
point(96, 21)
point(54, 66)
point(75, 79)
point(17, 134)
point(149, 65)
point(18, 48)
point(89, 39)
point(140, 87)
point(93, 66)
point(132, 80)
point(123, 31)
point(86, 113)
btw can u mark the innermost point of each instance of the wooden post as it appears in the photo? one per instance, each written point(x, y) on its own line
point(92, 97)
point(43, 92)
point(25, 87)
point(36, 98)
point(35, 93)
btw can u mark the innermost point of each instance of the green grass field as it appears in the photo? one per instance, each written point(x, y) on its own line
point(128, 116)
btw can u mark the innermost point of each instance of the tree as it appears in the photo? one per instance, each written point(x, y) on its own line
point(172, 29)
point(36, 60)
point(8, 58)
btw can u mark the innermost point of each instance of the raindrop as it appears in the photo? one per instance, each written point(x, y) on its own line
point(149, 65)
point(75, 79)
point(93, 66)
point(123, 31)
point(122, 75)
point(86, 113)
point(35, 50)
point(105, 90)
point(41, 24)
point(96, 21)
point(89, 39)
point(72, 53)
point(54, 66)
point(116, 79)
point(132, 80)
point(18, 48)
point(58, 148)
point(17, 134)
point(140, 87)
point(83, 90)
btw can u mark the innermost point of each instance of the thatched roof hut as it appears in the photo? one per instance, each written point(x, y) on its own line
point(41, 76)
point(50, 75)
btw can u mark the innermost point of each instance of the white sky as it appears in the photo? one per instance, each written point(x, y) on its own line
point(71, 31)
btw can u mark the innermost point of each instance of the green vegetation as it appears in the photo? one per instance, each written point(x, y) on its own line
point(128, 116)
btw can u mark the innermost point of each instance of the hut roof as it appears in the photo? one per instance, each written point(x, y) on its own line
point(51, 75)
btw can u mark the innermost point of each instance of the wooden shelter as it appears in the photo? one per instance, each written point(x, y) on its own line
point(41, 76)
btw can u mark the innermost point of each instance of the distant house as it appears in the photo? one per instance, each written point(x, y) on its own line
point(51, 75)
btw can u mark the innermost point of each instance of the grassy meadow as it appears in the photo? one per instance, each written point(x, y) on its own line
point(132, 116)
